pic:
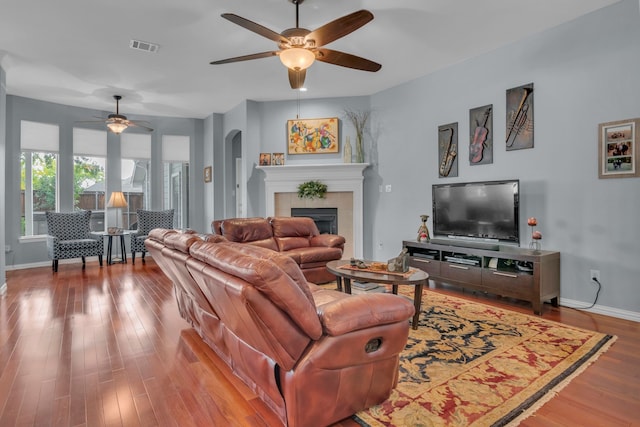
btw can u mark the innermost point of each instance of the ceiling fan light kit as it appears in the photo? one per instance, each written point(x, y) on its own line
point(297, 58)
point(117, 127)
point(117, 123)
point(299, 48)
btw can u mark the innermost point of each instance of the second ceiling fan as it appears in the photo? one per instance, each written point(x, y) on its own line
point(298, 47)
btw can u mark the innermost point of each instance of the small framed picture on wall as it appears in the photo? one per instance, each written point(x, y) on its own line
point(618, 149)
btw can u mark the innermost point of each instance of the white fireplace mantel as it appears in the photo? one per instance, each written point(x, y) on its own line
point(339, 177)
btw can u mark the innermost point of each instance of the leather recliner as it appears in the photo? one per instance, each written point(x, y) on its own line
point(313, 355)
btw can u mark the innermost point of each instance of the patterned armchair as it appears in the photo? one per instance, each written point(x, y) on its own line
point(147, 221)
point(69, 236)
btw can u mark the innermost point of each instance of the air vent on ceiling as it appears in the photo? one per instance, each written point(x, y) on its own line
point(145, 46)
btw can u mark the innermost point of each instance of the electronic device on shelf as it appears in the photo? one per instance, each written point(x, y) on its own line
point(477, 212)
point(462, 260)
point(524, 266)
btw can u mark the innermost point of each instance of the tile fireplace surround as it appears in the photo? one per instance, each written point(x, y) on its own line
point(344, 191)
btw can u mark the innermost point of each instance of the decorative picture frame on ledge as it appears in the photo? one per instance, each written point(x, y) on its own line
point(618, 144)
point(313, 136)
point(277, 159)
point(208, 172)
point(265, 159)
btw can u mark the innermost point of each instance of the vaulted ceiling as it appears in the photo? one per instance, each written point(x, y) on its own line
point(76, 52)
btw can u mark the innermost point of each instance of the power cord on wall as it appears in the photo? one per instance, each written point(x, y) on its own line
point(597, 295)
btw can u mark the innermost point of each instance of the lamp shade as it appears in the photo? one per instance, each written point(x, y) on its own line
point(297, 58)
point(117, 200)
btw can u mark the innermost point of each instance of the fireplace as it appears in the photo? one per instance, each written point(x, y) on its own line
point(345, 193)
point(326, 219)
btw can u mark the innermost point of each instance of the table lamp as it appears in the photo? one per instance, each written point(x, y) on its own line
point(118, 201)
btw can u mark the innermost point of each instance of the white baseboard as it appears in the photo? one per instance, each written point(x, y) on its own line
point(48, 263)
point(62, 261)
point(602, 309)
point(3, 289)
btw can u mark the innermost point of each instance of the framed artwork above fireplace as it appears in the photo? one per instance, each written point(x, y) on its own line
point(313, 136)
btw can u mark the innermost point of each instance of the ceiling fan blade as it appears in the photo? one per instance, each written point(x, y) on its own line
point(296, 78)
point(245, 57)
point(90, 121)
point(256, 28)
point(138, 124)
point(339, 28)
point(347, 60)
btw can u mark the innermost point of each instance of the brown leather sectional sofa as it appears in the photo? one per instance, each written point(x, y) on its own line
point(296, 237)
point(313, 355)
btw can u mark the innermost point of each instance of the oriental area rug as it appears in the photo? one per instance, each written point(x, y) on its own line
point(469, 364)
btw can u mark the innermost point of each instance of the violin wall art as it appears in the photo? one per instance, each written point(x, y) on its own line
point(313, 136)
point(481, 135)
point(519, 118)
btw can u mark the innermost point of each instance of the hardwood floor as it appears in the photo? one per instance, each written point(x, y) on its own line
point(107, 347)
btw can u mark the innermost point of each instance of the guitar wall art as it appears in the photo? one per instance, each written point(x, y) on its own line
point(520, 117)
point(481, 135)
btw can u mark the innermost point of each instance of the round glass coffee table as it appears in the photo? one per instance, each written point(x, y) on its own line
point(417, 279)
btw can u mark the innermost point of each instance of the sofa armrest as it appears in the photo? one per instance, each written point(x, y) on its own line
point(363, 311)
point(327, 240)
point(96, 236)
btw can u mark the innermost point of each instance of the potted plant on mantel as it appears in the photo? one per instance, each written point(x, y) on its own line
point(359, 120)
point(312, 190)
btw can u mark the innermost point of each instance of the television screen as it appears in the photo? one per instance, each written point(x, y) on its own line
point(477, 210)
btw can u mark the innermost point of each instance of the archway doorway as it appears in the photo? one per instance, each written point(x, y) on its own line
point(234, 176)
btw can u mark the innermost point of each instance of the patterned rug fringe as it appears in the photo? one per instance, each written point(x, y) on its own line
point(562, 384)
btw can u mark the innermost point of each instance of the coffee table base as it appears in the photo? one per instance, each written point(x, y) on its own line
point(417, 296)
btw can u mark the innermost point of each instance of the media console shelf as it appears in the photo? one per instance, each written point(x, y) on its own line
point(509, 271)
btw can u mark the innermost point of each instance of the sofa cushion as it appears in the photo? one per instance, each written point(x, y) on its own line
point(264, 275)
point(286, 263)
point(293, 232)
point(311, 255)
point(256, 231)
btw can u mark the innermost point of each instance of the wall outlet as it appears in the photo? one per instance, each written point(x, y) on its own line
point(595, 274)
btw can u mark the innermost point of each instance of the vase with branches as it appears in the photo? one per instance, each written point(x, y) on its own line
point(359, 121)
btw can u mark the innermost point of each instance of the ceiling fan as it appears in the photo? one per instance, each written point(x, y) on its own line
point(117, 123)
point(298, 47)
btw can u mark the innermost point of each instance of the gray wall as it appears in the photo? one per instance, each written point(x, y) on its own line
point(585, 72)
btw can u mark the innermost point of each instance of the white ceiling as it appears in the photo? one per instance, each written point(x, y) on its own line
point(76, 52)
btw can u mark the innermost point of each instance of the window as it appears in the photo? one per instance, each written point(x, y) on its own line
point(90, 151)
point(135, 166)
point(175, 155)
point(38, 175)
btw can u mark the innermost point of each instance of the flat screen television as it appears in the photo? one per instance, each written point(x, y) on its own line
point(480, 211)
